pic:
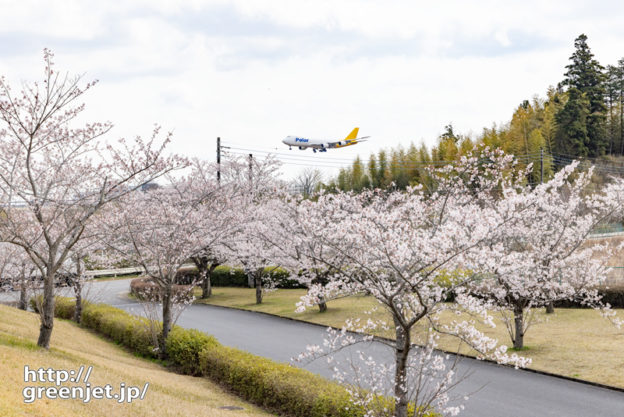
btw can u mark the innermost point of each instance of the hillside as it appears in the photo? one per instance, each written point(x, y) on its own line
point(168, 394)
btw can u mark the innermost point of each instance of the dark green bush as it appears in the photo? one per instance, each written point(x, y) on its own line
point(613, 295)
point(226, 276)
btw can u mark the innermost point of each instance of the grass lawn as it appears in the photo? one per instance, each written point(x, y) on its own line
point(169, 394)
point(578, 343)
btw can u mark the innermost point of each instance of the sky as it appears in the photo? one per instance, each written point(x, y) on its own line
point(253, 72)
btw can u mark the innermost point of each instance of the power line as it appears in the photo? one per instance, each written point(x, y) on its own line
point(322, 161)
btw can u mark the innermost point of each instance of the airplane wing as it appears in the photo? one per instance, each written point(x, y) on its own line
point(347, 142)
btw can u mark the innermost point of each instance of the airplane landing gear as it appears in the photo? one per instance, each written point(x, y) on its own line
point(314, 150)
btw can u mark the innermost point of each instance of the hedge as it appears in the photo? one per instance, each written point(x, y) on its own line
point(613, 295)
point(227, 276)
point(278, 386)
point(145, 288)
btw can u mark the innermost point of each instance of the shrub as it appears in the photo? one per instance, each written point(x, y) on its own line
point(227, 276)
point(146, 289)
point(126, 329)
point(183, 348)
point(613, 295)
point(277, 386)
point(64, 307)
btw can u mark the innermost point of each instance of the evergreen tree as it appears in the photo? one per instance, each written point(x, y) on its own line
point(611, 97)
point(571, 137)
point(586, 75)
point(382, 170)
point(357, 175)
point(372, 171)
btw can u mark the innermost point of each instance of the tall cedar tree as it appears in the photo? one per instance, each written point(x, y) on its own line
point(585, 78)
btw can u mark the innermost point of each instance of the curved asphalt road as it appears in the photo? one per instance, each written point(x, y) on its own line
point(495, 391)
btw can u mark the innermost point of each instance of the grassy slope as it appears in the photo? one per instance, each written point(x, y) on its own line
point(577, 343)
point(169, 394)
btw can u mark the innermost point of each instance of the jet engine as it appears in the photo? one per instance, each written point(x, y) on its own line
point(301, 148)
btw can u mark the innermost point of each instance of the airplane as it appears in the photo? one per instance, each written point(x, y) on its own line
point(322, 145)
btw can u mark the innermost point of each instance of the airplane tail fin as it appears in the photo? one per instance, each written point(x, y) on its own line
point(353, 134)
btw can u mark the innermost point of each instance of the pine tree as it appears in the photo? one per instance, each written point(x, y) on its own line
point(586, 75)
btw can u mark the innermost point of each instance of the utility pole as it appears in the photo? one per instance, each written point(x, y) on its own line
point(219, 160)
point(541, 165)
point(219, 148)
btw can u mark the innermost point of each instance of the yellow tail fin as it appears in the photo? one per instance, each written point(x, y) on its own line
point(353, 134)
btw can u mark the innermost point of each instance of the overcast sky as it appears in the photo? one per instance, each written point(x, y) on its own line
point(253, 72)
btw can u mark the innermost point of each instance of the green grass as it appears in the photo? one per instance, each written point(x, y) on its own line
point(577, 343)
point(169, 394)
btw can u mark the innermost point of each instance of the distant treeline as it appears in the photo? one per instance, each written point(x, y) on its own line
point(583, 116)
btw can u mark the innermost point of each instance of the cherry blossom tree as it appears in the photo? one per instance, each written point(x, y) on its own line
point(540, 257)
point(92, 248)
point(400, 247)
point(204, 188)
point(260, 209)
point(161, 229)
point(17, 271)
point(299, 252)
point(55, 174)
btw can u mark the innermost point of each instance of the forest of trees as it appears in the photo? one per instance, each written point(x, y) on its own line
point(582, 117)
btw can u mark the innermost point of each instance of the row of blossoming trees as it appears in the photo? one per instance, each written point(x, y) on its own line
point(478, 236)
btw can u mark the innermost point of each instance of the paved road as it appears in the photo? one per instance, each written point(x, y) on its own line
point(501, 391)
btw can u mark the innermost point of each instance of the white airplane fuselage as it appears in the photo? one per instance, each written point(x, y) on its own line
point(304, 143)
point(323, 145)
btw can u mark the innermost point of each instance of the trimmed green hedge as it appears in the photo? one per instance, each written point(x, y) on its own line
point(613, 295)
point(64, 307)
point(128, 330)
point(184, 347)
point(278, 386)
point(227, 276)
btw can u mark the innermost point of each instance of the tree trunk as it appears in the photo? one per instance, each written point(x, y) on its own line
point(322, 304)
point(402, 351)
point(47, 311)
point(206, 285)
point(550, 308)
point(206, 282)
point(166, 320)
point(78, 294)
point(258, 284)
point(23, 301)
point(519, 327)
